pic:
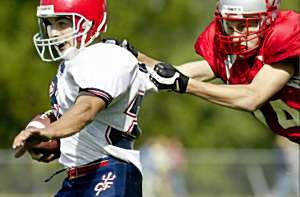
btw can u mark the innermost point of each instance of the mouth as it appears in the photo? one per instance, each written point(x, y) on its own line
point(61, 46)
point(244, 46)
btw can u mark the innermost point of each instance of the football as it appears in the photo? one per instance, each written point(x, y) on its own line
point(41, 121)
point(44, 148)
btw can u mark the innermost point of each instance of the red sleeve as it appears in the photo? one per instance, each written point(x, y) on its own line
point(283, 41)
point(205, 45)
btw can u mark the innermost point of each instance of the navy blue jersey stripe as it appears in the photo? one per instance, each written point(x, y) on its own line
point(99, 93)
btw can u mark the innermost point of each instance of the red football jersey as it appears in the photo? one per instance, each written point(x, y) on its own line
point(282, 41)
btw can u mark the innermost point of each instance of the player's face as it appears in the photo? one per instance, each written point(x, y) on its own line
point(60, 26)
point(242, 30)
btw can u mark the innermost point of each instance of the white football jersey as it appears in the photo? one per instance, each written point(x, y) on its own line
point(113, 74)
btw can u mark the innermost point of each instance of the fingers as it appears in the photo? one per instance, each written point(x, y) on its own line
point(34, 155)
point(158, 67)
point(154, 81)
point(154, 78)
point(41, 157)
point(47, 159)
point(124, 43)
point(19, 143)
point(20, 139)
point(20, 151)
point(24, 140)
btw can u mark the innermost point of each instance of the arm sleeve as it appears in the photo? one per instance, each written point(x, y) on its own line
point(205, 46)
point(106, 79)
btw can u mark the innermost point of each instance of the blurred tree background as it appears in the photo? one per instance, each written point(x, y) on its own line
point(165, 29)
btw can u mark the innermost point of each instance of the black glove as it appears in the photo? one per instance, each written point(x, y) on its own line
point(122, 43)
point(166, 77)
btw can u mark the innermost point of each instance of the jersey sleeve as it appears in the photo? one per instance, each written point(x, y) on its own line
point(105, 72)
point(283, 41)
point(148, 85)
point(204, 46)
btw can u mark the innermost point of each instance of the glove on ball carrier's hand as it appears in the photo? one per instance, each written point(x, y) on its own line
point(167, 77)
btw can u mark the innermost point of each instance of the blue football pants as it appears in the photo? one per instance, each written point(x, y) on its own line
point(117, 179)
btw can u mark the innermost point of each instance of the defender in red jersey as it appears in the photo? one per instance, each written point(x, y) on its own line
point(254, 48)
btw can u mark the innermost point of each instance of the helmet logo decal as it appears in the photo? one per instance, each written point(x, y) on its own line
point(232, 9)
point(45, 10)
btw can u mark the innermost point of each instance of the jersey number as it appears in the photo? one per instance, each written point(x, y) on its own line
point(132, 111)
point(287, 116)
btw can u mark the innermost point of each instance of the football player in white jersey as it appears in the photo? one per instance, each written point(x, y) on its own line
point(95, 96)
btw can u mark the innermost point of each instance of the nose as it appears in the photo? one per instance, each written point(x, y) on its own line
point(236, 36)
point(52, 31)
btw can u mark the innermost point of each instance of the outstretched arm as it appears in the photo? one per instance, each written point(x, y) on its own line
point(249, 97)
point(198, 70)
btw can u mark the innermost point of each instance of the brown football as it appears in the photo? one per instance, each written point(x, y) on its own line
point(41, 121)
point(49, 147)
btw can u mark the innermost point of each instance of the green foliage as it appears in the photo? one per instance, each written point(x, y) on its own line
point(165, 29)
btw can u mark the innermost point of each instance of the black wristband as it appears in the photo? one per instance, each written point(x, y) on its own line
point(181, 83)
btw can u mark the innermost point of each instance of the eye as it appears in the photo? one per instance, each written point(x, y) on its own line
point(229, 28)
point(63, 23)
point(253, 26)
point(241, 27)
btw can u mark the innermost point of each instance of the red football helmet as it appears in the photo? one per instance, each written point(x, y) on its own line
point(89, 18)
point(251, 19)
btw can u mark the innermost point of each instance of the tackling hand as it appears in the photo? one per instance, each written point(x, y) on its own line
point(166, 77)
point(122, 43)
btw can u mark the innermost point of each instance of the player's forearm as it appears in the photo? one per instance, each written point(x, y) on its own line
point(150, 62)
point(234, 96)
point(82, 113)
point(199, 70)
point(70, 123)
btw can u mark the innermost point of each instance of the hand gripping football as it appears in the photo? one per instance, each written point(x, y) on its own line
point(44, 151)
